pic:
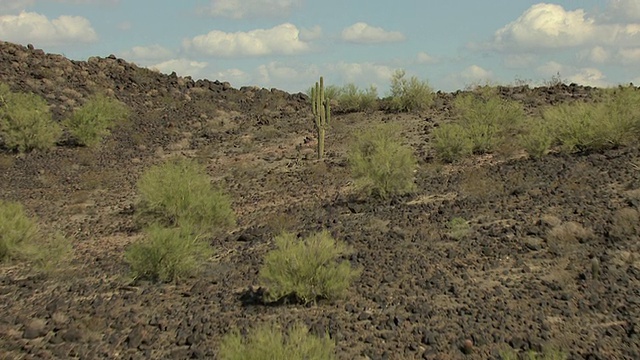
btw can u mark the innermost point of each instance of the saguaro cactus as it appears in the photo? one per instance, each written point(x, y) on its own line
point(322, 113)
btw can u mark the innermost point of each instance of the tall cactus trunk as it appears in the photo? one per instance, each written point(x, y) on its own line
point(322, 114)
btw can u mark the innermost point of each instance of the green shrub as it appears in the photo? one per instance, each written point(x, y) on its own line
point(582, 127)
point(352, 99)
point(330, 92)
point(90, 123)
point(167, 254)
point(409, 94)
point(380, 163)
point(268, 342)
point(458, 228)
point(179, 192)
point(537, 139)
point(488, 119)
point(25, 121)
point(548, 354)
point(16, 230)
point(21, 239)
point(307, 269)
point(451, 143)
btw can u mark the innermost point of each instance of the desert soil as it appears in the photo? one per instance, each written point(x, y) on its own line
point(508, 281)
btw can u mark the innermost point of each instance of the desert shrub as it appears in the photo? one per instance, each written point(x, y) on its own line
point(307, 269)
point(409, 94)
point(547, 354)
point(582, 127)
point(537, 139)
point(451, 143)
point(380, 163)
point(488, 119)
point(91, 122)
point(330, 92)
point(569, 232)
point(352, 98)
point(179, 192)
point(21, 239)
point(458, 228)
point(25, 121)
point(167, 254)
point(268, 342)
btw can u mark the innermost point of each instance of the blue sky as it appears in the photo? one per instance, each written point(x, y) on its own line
point(288, 44)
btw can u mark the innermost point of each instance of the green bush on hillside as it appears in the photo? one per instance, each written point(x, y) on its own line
point(380, 163)
point(409, 94)
point(91, 122)
point(451, 143)
point(352, 98)
point(21, 239)
point(583, 127)
point(267, 342)
point(167, 254)
point(25, 122)
point(307, 269)
point(179, 193)
point(488, 119)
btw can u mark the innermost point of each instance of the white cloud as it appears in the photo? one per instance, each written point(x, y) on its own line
point(152, 52)
point(282, 39)
point(546, 26)
point(599, 55)
point(234, 76)
point(182, 67)
point(239, 9)
point(31, 27)
point(475, 73)
point(363, 33)
point(589, 77)
point(424, 58)
point(362, 73)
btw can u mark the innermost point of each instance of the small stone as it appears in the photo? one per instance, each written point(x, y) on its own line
point(34, 329)
point(467, 346)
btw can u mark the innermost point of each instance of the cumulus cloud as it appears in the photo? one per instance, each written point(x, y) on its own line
point(519, 61)
point(599, 55)
point(475, 73)
point(309, 34)
point(239, 9)
point(588, 76)
point(363, 33)
point(182, 67)
point(151, 52)
point(424, 58)
point(629, 55)
point(282, 40)
point(546, 26)
point(365, 72)
point(31, 27)
point(234, 76)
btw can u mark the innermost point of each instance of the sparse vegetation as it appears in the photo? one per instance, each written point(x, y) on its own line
point(410, 94)
point(167, 254)
point(353, 99)
point(583, 127)
point(307, 269)
point(451, 143)
point(21, 239)
point(488, 119)
point(25, 122)
point(268, 342)
point(547, 354)
point(179, 193)
point(537, 139)
point(458, 228)
point(90, 123)
point(381, 164)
